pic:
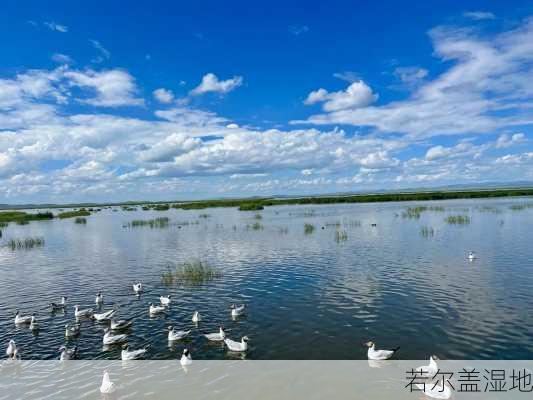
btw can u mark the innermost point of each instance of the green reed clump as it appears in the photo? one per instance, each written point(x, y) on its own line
point(71, 214)
point(22, 222)
point(309, 228)
point(414, 212)
point(256, 226)
point(258, 216)
point(25, 244)
point(3, 224)
point(251, 207)
point(204, 216)
point(190, 272)
point(161, 222)
point(457, 219)
point(353, 223)
point(80, 220)
point(283, 230)
point(521, 207)
point(22, 217)
point(161, 207)
point(341, 236)
point(489, 209)
point(427, 231)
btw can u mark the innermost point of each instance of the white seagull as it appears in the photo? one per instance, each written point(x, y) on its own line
point(121, 324)
point(127, 354)
point(471, 256)
point(186, 358)
point(82, 313)
point(59, 306)
point(34, 325)
point(72, 331)
point(165, 300)
point(156, 309)
point(68, 354)
point(374, 354)
point(11, 350)
point(99, 298)
point(237, 310)
point(237, 346)
point(110, 338)
point(196, 317)
point(104, 316)
point(138, 287)
point(22, 319)
point(107, 386)
point(429, 371)
point(176, 335)
point(216, 337)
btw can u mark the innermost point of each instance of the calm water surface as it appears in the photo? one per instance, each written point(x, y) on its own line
point(308, 295)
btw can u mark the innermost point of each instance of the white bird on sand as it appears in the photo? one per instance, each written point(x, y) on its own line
point(34, 325)
point(186, 358)
point(429, 371)
point(72, 331)
point(99, 298)
point(82, 313)
point(111, 338)
point(471, 256)
point(374, 354)
point(107, 386)
point(217, 336)
point(127, 354)
point(156, 309)
point(104, 316)
point(11, 348)
point(237, 310)
point(176, 335)
point(22, 319)
point(237, 346)
point(138, 287)
point(68, 354)
point(121, 324)
point(59, 306)
point(196, 317)
point(165, 300)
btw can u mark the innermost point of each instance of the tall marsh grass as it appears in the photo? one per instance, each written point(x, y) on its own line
point(309, 228)
point(457, 219)
point(161, 222)
point(25, 244)
point(191, 272)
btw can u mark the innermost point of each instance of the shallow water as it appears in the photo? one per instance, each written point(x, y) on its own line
point(308, 296)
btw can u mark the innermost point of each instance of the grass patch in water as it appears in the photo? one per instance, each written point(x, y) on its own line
point(72, 214)
point(191, 272)
point(23, 217)
point(80, 220)
point(256, 226)
point(341, 236)
point(457, 219)
point(521, 207)
point(250, 207)
point(161, 222)
point(161, 207)
point(25, 244)
point(427, 231)
point(309, 228)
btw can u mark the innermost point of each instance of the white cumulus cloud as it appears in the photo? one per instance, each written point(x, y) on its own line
point(211, 83)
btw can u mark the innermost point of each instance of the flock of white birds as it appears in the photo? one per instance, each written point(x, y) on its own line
point(115, 333)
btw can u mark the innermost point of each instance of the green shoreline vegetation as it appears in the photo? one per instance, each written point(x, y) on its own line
point(256, 204)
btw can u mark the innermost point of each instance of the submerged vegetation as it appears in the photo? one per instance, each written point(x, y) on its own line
point(71, 214)
point(458, 219)
point(190, 272)
point(161, 222)
point(25, 244)
point(309, 228)
point(415, 212)
point(427, 231)
point(80, 220)
point(520, 207)
point(341, 236)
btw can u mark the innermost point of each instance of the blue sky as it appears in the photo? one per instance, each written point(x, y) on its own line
point(167, 100)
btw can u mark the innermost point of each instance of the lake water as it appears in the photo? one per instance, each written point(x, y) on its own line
point(308, 296)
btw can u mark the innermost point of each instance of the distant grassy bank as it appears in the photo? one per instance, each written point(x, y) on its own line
point(253, 204)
